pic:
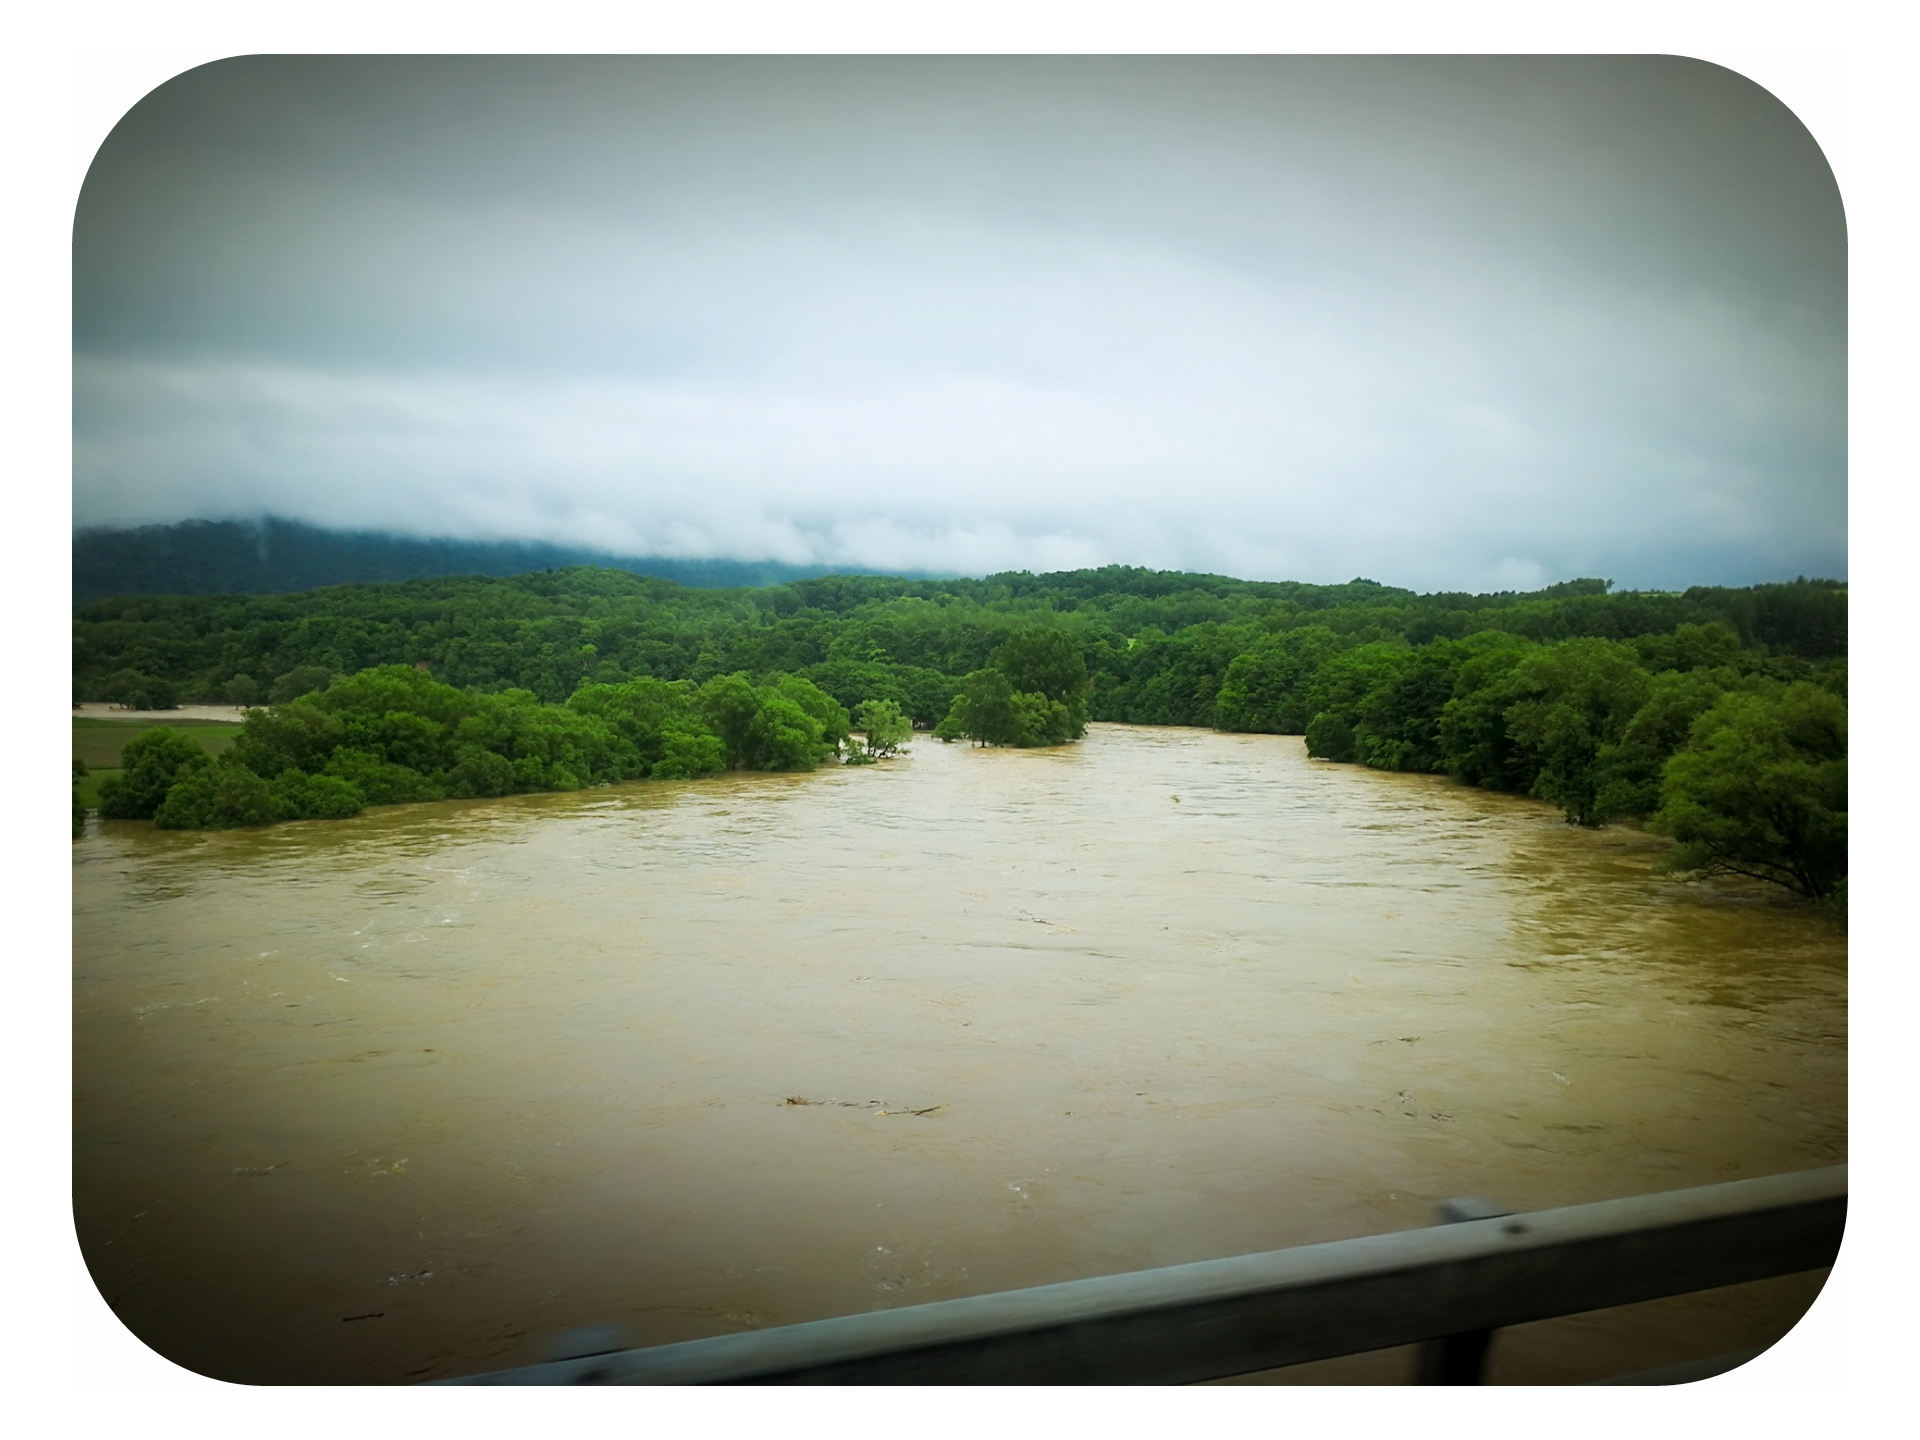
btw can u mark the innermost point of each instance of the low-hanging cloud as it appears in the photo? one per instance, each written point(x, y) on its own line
point(1262, 343)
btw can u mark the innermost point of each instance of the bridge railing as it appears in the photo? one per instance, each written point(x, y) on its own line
point(1447, 1285)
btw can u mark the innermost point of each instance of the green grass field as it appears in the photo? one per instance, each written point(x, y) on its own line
point(99, 743)
point(90, 787)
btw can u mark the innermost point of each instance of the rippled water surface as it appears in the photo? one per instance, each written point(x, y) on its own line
point(412, 1095)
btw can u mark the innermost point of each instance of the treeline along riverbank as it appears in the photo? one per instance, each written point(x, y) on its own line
point(1718, 714)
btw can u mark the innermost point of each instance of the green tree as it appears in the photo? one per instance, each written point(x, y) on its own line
point(1339, 694)
point(218, 796)
point(923, 694)
point(1038, 660)
point(983, 710)
point(549, 747)
point(380, 781)
point(782, 736)
point(1041, 720)
point(301, 680)
point(313, 797)
point(658, 723)
point(153, 761)
point(835, 723)
point(764, 728)
point(79, 810)
point(884, 727)
point(1161, 643)
point(1761, 790)
point(1569, 701)
point(991, 711)
point(1400, 715)
point(242, 689)
point(479, 773)
point(1475, 746)
point(1374, 668)
point(1330, 737)
point(386, 689)
point(1162, 679)
point(139, 691)
point(1627, 772)
point(296, 736)
point(1265, 690)
point(728, 703)
point(688, 750)
point(1690, 647)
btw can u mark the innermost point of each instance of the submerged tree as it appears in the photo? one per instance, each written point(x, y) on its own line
point(983, 710)
point(1569, 701)
point(835, 724)
point(1761, 791)
point(153, 762)
point(1627, 773)
point(767, 727)
point(218, 796)
point(136, 690)
point(1034, 693)
point(884, 726)
point(1045, 665)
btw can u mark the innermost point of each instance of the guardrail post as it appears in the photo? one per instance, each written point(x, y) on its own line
point(1457, 1359)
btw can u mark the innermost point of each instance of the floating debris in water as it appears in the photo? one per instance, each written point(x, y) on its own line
point(874, 1105)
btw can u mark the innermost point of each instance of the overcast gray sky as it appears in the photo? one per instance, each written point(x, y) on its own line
point(1446, 323)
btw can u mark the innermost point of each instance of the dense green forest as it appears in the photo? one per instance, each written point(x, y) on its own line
point(392, 734)
point(1717, 714)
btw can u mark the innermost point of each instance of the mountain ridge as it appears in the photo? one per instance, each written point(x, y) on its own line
point(273, 556)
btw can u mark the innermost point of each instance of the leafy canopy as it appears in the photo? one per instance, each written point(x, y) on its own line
point(1761, 791)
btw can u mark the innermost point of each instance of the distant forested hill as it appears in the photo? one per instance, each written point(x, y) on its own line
point(281, 557)
point(1159, 645)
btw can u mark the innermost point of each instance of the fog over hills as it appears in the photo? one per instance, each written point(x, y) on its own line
point(1468, 322)
point(272, 556)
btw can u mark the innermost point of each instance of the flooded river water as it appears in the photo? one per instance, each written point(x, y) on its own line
point(414, 1094)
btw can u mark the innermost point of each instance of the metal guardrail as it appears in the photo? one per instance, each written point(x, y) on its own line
point(1217, 1318)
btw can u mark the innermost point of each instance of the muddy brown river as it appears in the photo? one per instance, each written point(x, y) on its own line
point(413, 1095)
